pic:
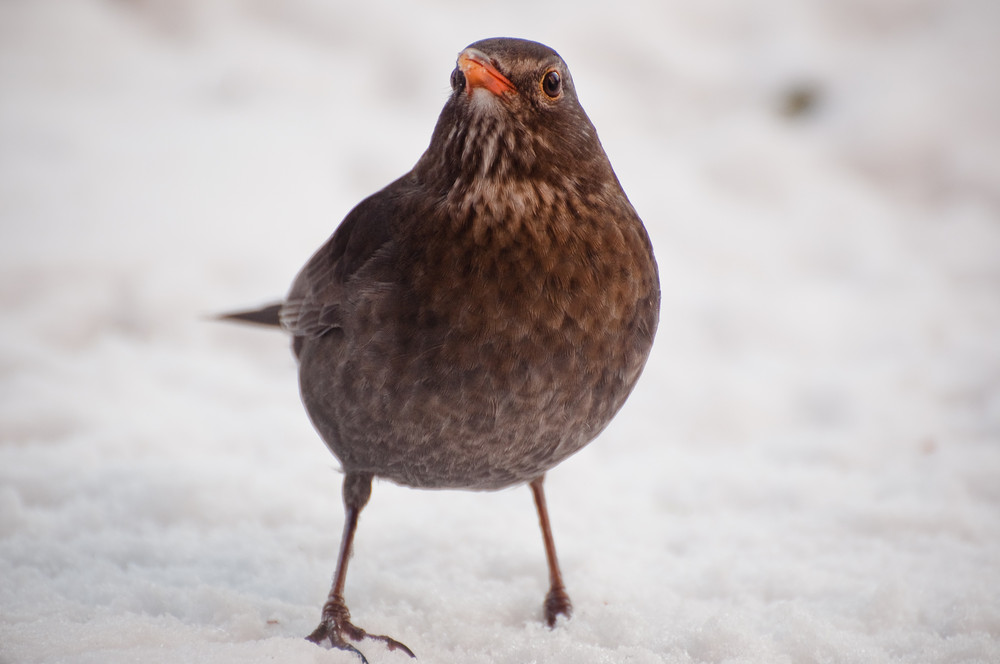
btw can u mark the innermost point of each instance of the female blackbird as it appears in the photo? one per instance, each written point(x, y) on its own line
point(484, 316)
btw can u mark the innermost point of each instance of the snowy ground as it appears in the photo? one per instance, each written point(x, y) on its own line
point(808, 472)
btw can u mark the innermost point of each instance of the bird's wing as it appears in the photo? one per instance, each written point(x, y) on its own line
point(315, 304)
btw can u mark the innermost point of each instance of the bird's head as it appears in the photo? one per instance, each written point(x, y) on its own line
point(513, 114)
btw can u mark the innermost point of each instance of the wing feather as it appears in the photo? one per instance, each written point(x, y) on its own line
point(321, 292)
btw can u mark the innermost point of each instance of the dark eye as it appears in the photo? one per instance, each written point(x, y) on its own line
point(457, 80)
point(552, 83)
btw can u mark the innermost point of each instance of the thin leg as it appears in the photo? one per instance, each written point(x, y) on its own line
point(556, 601)
point(335, 623)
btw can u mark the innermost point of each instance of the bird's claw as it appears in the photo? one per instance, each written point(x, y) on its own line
point(336, 627)
point(557, 603)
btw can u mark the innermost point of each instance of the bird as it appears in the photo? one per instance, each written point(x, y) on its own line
point(481, 318)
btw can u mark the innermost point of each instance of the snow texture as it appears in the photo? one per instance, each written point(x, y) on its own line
point(809, 470)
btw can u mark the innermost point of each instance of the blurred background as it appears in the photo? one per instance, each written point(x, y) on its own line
point(808, 471)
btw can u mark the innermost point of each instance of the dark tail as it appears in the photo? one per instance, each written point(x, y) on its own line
point(266, 316)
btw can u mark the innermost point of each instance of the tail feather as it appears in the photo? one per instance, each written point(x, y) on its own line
point(268, 315)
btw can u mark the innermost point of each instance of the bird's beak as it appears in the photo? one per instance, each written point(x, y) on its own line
point(480, 73)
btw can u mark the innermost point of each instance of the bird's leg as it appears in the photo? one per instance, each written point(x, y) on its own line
point(556, 601)
point(335, 623)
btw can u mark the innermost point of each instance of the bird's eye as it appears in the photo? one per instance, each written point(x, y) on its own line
point(457, 80)
point(552, 83)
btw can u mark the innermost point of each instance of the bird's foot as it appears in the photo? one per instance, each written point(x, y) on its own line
point(336, 627)
point(557, 603)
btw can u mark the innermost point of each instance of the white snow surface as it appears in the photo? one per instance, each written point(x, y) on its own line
point(808, 471)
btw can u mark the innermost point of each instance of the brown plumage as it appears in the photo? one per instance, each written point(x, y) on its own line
point(484, 316)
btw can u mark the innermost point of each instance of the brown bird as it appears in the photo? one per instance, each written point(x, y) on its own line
point(484, 316)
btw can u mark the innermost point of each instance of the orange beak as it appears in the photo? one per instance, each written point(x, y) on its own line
point(479, 73)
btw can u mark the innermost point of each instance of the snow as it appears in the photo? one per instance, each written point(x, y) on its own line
point(809, 470)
